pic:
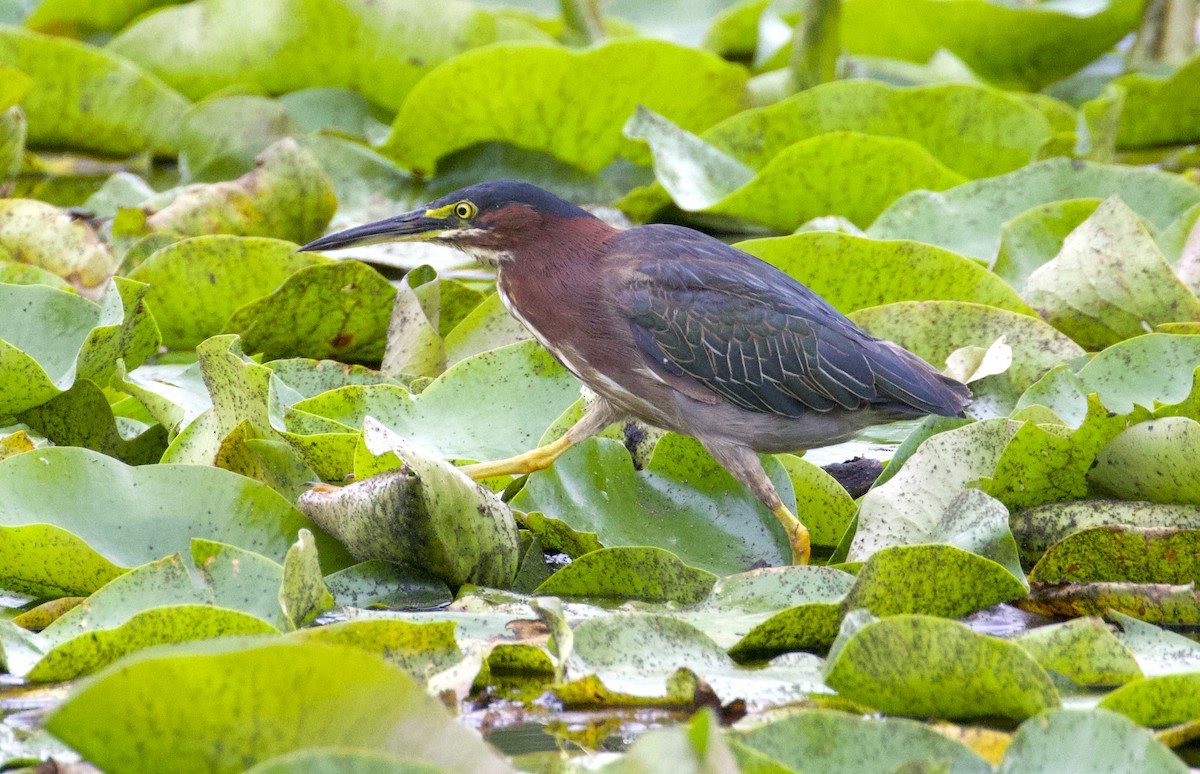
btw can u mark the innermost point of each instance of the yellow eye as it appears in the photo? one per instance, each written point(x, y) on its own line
point(464, 210)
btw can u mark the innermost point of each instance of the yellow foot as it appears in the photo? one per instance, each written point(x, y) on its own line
point(536, 459)
point(797, 535)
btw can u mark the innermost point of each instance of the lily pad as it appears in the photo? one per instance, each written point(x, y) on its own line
point(109, 512)
point(82, 416)
point(1082, 650)
point(929, 499)
point(287, 196)
point(85, 98)
point(1164, 700)
point(1109, 282)
point(1038, 528)
point(1158, 651)
point(1034, 237)
point(852, 272)
point(974, 130)
point(47, 237)
point(491, 406)
point(967, 219)
point(516, 93)
point(337, 309)
point(1012, 46)
point(88, 340)
point(931, 667)
point(1151, 116)
point(254, 699)
point(1144, 462)
point(851, 174)
point(421, 511)
point(377, 582)
point(935, 329)
point(827, 741)
point(1120, 553)
point(625, 572)
point(683, 502)
point(279, 46)
point(1097, 740)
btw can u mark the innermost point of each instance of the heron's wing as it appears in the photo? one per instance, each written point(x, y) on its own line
point(763, 341)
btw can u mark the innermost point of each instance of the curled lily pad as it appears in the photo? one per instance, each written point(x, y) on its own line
point(1040, 527)
point(422, 512)
point(1150, 114)
point(49, 238)
point(1082, 650)
point(1109, 282)
point(1120, 553)
point(287, 196)
point(516, 92)
point(1035, 236)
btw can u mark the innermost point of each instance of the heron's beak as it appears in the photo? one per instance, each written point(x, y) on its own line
point(414, 226)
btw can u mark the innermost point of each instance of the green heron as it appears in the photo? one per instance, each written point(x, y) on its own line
point(677, 329)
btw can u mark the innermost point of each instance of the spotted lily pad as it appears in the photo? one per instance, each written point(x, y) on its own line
point(625, 572)
point(931, 667)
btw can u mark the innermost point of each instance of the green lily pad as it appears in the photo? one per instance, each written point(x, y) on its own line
point(683, 502)
point(88, 340)
point(1012, 46)
point(221, 136)
point(851, 174)
point(968, 219)
point(827, 741)
point(1050, 463)
point(197, 284)
point(109, 512)
point(82, 416)
point(1033, 238)
point(420, 511)
point(338, 760)
point(381, 50)
point(1164, 700)
point(1120, 553)
point(83, 97)
point(491, 406)
point(516, 93)
point(935, 329)
point(48, 237)
point(1082, 650)
point(1157, 371)
point(852, 272)
point(1109, 282)
point(254, 699)
point(487, 326)
point(338, 309)
point(242, 580)
point(1151, 116)
point(14, 273)
point(933, 579)
point(1038, 528)
point(287, 196)
point(377, 582)
point(303, 595)
point(1095, 740)
point(1158, 651)
point(640, 658)
point(974, 130)
point(931, 667)
point(773, 610)
point(627, 572)
point(1145, 462)
point(419, 649)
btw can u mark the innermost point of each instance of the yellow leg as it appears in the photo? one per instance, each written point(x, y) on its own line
point(597, 417)
point(536, 459)
point(797, 535)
